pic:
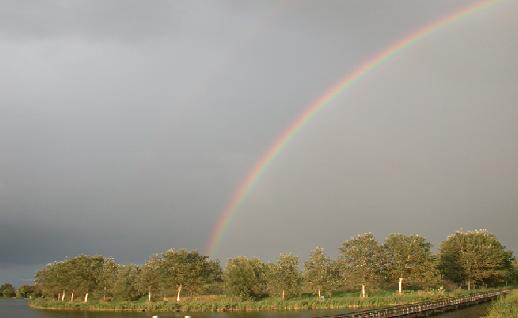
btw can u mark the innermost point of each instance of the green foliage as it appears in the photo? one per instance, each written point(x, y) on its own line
point(51, 279)
point(362, 261)
point(246, 277)
point(150, 276)
point(284, 278)
point(7, 290)
point(410, 257)
point(319, 271)
point(514, 273)
point(186, 271)
point(475, 257)
point(79, 275)
point(102, 278)
point(505, 307)
point(106, 278)
point(222, 303)
point(126, 285)
point(25, 291)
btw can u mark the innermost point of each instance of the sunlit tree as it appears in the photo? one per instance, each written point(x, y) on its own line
point(410, 260)
point(318, 271)
point(246, 277)
point(126, 285)
point(362, 262)
point(150, 276)
point(186, 270)
point(284, 277)
point(475, 257)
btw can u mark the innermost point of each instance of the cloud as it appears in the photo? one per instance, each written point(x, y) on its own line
point(119, 20)
point(126, 125)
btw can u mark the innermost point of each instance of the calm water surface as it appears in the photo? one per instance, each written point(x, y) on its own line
point(14, 308)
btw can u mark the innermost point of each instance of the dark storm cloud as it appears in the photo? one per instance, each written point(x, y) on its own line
point(22, 244)
point(126, 125)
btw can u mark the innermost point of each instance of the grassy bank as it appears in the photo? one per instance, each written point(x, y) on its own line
point(223, 303)
point(505, 307)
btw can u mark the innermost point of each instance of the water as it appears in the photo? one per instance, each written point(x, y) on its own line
point(14, 308)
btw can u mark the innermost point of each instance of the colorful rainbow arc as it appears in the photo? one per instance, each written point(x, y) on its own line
point(280, 142)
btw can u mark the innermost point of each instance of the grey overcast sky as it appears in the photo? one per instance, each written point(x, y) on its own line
point(125, 126)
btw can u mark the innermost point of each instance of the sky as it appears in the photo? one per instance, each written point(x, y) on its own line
point(126, 126)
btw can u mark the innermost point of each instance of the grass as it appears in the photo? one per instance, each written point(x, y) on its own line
point(342, 300)
point(505, 307)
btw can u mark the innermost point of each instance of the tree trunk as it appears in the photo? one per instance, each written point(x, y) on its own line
point(363, 291)
point(469, 284)
point(86, 297)
point(63, 296)
point(72, 297)
point(400, 285)
point(149, 294)
point(178, 294)
point(319, 293)
point(59, 296)
point(104, 294)
point(283, 294)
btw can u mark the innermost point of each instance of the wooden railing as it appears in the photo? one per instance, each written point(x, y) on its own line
point(423, 307)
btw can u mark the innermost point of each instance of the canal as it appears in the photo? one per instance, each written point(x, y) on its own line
point(14, 308)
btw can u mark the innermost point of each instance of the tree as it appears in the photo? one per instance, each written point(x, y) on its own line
point(126, 285)
point(25, 291)
point(410, 259)
point(362, 261)
point(475, 257)
point(514, 273)
point(77, 275)
point(318, 271)
point(150, 276)
point(185, 270)
point(246, 278)
point(52, 280)
point(84, 273)
point(214, 278)
point(107, 277)
point(7, 290)
point(284, 277)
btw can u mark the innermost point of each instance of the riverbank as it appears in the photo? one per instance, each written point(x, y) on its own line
point(226, 304)
point(505, 307)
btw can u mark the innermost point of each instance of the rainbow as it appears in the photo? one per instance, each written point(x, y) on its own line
point(318, 105)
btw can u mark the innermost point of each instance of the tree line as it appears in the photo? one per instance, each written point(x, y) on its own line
point(465, 259)
point(8, 290)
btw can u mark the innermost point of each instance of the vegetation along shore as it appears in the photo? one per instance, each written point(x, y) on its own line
point(506, 307)
point(338, 300)
point(366, 274)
